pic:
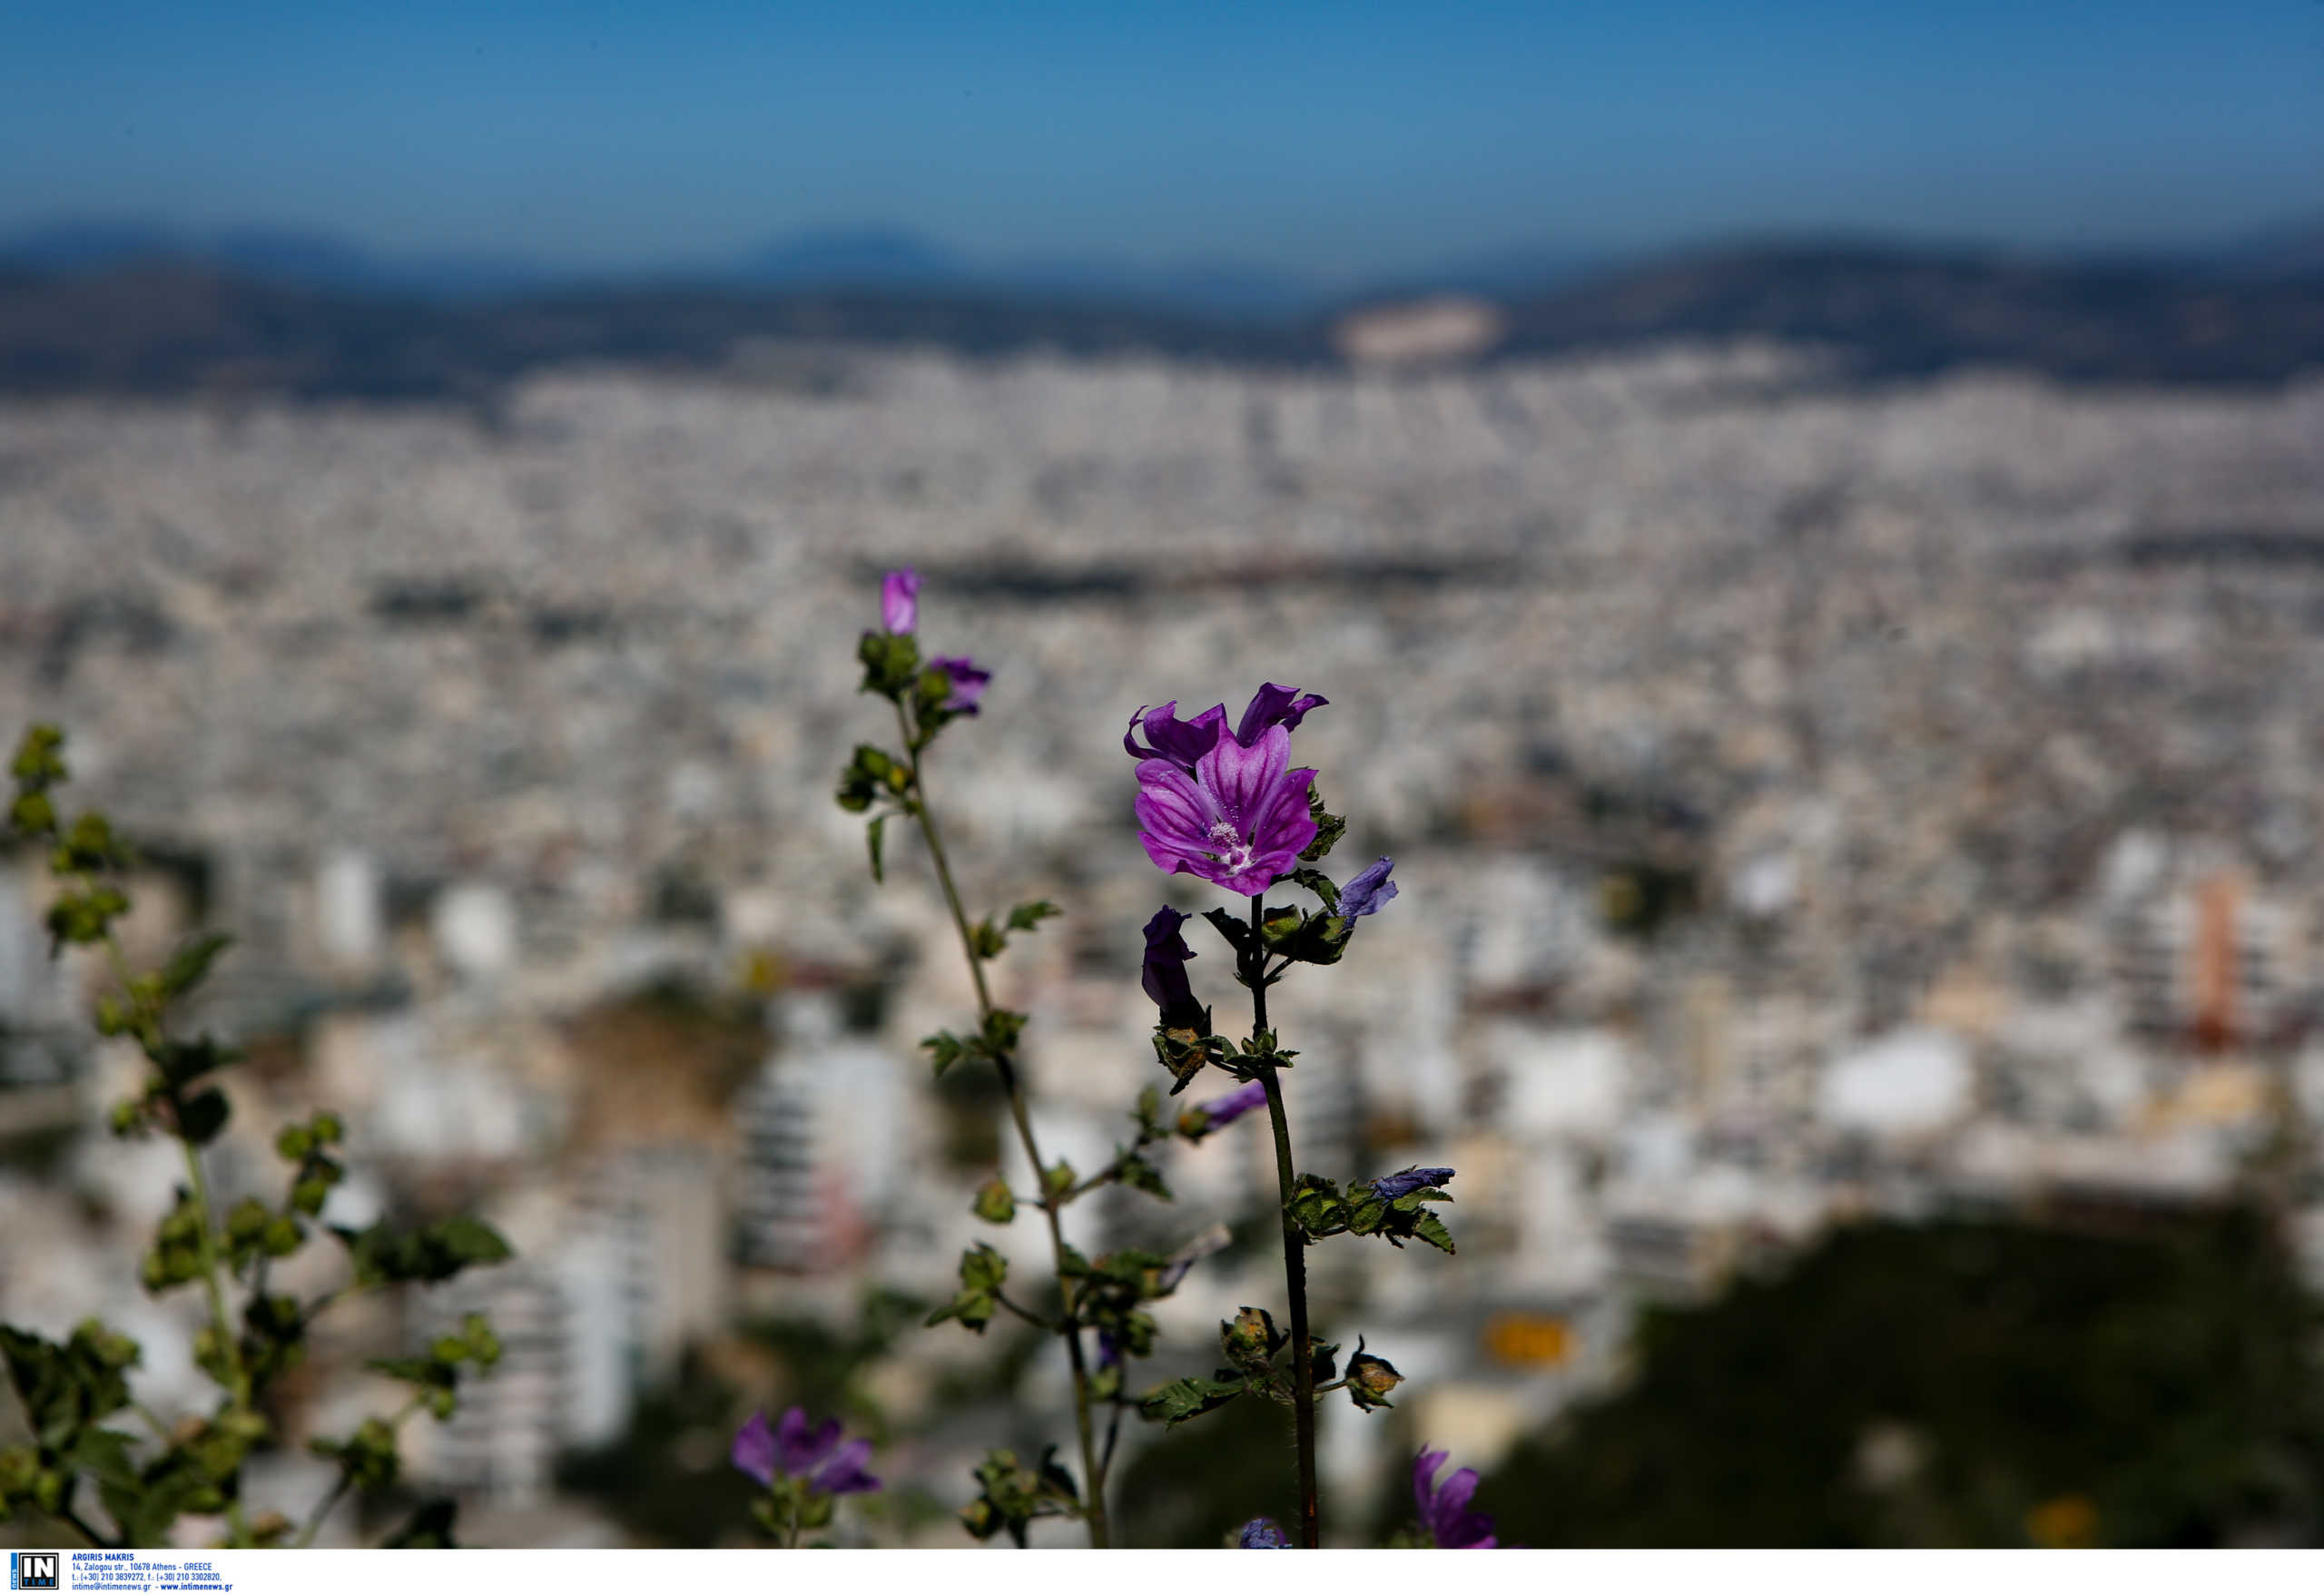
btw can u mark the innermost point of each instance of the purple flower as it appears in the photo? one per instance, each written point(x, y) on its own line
point(1110, 1350)
point(1183, 741)
point(900, 600)
point(1369, 892)
point(1226, 1109)
point(1444, 1510)
point(791, 1449)
point(967, 687)
point(1262, 1535)
point(1167, 953)
point(1403, 1183)
point(1237, 820)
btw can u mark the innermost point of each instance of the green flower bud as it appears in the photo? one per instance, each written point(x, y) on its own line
point(995, 1203)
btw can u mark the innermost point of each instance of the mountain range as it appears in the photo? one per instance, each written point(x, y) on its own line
point(104, 307)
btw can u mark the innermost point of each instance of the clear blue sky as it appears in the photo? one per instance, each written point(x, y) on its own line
point(1338, 138)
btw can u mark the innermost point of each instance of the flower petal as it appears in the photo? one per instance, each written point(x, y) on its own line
point(900, 600)
point(798, 1447)
point(1274, 705)
point(844, 1474)
point(753, 1450)
point(1284, 826)
point(1244, 778)
point(1369, 892)
point(1172, 806)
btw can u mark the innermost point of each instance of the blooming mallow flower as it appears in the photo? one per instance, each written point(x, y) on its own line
point(1405, 1181)
point(1445, 1509)
point(1262, 1535)
point(793, 1450)
point(967, 687)
point(1167, 953)
point(1236, 819)
point(900, 600)
point(1369, 892)
point(1183, 741)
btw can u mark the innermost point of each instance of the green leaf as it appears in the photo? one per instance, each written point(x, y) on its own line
point(872, 837)
point(81, 918)
point(1322, 885)
point(189, 965)
point(40, 757)
point(1237, 930)
point(1191, 1397)
point(982, 1268)
point(1137, 1171)
point(985, 942)
point(1025, 916)
point(891, 663)
point(1329, 828)
point(1429, 1227)
point(945, 1050)
point(435, 1253)
point(183, 1062)
point(1001, 1027)
point(88, 847)
point(33, 814)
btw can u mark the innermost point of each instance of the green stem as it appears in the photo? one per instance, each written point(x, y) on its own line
point(1092, 1473)
point(228, 1341)
point(1295, 1258)
point(322, 1510)
point(339, 1488)
point(67, 1513)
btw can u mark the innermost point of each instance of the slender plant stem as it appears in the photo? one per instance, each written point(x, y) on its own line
point(1092, 1471)
point(230, 1340)
point(67, 1513)
point(322, 1510)
point(1294, 1259)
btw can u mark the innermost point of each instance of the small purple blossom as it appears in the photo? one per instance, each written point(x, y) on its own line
point(1405, 1181)
point(1167, 953)
point(900, 600)
point(791, 1449)
point(1445, 1509)
point(1262, 1535)
point(967, 687)
point(1226, 1109)
point(1237, 820)
point(1182, 742)
point(1369, 892)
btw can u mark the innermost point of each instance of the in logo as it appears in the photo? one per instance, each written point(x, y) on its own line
point(32, 1569)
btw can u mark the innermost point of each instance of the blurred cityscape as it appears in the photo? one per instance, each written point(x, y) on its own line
point(1813, 801)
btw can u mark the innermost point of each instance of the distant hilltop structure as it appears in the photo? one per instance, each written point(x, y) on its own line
point(1443, 329)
